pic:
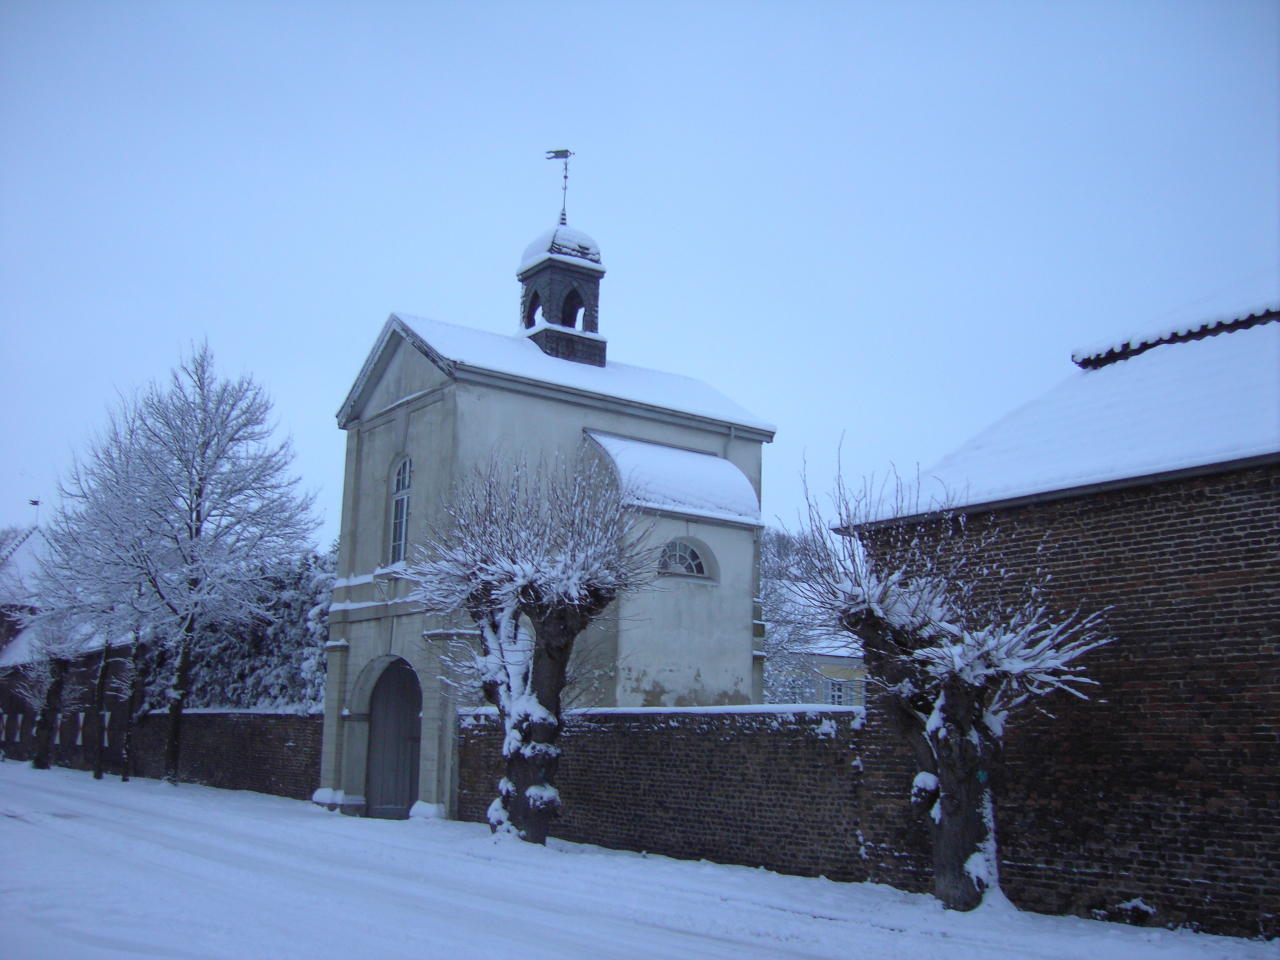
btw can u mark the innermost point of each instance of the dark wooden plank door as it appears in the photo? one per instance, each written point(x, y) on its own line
point(395, 728)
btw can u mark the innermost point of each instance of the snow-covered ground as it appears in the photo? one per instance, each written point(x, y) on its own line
point(144, 870)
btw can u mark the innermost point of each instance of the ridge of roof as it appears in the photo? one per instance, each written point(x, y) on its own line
point(1092, 359)
point(10, 546)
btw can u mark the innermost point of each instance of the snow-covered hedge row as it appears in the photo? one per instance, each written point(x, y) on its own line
point(279, 662)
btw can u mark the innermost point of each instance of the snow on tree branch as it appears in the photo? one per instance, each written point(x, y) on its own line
point(954, 641)
point(170, 518)
point(551, 546)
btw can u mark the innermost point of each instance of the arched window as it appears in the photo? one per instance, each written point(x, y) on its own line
point(533, 311)
point(571, 309)
point(400, 509)
point(680, 557)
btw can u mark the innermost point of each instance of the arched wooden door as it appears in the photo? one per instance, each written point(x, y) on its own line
point(395, 728)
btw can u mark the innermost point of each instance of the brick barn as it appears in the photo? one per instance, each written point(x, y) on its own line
point(1149, 483)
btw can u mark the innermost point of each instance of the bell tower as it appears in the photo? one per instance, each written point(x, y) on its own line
point(560, 295)
point(560, 276)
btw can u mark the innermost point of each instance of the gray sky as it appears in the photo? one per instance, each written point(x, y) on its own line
point(887, 222)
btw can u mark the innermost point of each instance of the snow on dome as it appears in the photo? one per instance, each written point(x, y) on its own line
point(1176, 406)
point(561, 242)
point(660, 477)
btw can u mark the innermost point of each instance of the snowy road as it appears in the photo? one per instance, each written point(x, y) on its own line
point(106, 869)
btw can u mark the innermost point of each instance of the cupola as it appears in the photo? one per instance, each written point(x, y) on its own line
point(560, 295)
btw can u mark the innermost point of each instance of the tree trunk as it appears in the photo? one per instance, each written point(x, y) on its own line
point(99, 704)
point(137, 687)
point(963, 822)
point(530, 796)
point(50, 707)
point(964, 756)
point(177, 699)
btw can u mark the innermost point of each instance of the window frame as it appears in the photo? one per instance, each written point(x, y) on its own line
point(851, 691)
point(401, 486)
point(687, 553)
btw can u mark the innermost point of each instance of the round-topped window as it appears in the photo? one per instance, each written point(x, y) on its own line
point(679, 557)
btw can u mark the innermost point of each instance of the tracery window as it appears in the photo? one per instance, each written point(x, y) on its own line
point(680, 557)
point(400, 510)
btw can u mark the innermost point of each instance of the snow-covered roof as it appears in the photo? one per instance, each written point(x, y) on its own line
point(19, 557)
point(1174, 406)
point(1120, 348)
point(18, 650)
point(562, 243)
point(25, 647)
point(659, 477)
point(458, 349)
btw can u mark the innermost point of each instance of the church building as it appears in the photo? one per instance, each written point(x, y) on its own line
point(432, 404)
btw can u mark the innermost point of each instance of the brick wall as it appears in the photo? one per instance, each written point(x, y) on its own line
point(769, 788)
point(1167, 784)
point(1164, 786)
point(270, 753)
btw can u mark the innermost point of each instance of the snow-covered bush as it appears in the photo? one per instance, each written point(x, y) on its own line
point(277, 662)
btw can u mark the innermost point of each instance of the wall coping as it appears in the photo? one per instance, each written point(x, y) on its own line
point(744, 708)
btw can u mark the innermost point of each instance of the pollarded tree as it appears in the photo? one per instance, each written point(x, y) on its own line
point(179, 505)
point(551, 544)
point(954, 647)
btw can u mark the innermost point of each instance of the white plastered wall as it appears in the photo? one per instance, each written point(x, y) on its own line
point(684, 642)
point(406, 411)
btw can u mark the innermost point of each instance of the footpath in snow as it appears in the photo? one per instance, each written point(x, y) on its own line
point(105, 869)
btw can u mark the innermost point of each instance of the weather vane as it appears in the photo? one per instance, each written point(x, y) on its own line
point(564, 190)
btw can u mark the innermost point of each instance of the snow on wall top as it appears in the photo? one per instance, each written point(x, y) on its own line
point(560, 241)
point(518, 356)
point(1176, 406)
point(660, 477)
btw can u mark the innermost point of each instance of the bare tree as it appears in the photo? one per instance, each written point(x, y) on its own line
point(793, 634)
point(168, 520)
point(953, 649)
point(554, 545)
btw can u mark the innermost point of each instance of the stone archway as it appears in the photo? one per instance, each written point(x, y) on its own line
point(395, 730)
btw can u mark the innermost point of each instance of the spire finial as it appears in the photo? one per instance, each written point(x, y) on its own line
point(564, 189)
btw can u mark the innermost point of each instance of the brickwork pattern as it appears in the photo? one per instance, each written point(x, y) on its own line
point(552, 283)
point(269, 753)
point(1164, 786)
point(778, 790)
